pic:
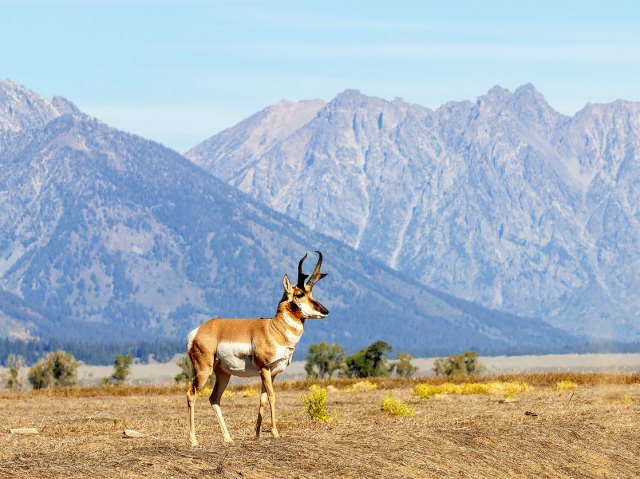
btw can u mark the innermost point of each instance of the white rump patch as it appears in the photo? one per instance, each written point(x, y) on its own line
point(190, 338)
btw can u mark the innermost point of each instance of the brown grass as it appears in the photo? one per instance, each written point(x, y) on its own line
point(534, 379)
point(590, 432)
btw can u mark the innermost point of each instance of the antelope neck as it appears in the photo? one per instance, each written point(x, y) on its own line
point(288, 326)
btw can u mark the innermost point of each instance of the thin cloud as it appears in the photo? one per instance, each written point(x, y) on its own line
point(584, 53)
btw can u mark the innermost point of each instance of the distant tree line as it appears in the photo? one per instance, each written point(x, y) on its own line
point(162, 350)
point(59, 368)
point(325, 360)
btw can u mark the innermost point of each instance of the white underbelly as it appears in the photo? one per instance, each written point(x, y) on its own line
point(237, 359)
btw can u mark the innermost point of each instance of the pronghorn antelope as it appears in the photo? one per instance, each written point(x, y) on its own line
point(252, 347)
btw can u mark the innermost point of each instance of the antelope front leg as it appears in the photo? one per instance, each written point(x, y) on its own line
point(261, 410)
point(267, 384)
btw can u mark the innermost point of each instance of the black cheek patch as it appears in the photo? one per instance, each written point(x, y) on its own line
point(295, 307)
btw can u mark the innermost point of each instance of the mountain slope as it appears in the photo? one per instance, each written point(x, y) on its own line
point(504, 201)
point(112, 237)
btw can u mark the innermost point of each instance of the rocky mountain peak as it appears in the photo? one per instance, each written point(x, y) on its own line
point(496, 96)
point(528, 91)
point(534, 110)
point(351, 100)
point(21, 108)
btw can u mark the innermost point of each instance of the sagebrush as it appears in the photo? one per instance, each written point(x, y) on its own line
point(57, 369)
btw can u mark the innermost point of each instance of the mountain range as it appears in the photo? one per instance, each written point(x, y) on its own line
point(503, 202)
point(106, 236)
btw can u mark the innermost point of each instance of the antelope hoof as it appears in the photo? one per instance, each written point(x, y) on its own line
point(194, 443)
point(228, 440)
point(275, 433)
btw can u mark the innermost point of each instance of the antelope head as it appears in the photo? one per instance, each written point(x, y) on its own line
point(299, 296)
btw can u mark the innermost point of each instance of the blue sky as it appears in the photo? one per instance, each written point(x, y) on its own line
point(179, 71)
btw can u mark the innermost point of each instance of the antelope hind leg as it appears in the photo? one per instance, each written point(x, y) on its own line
point(198, 383)
point(191, 400)
point(222, 380)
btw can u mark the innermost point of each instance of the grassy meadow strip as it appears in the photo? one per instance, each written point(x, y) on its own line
point(95, 391)
point(548, 379)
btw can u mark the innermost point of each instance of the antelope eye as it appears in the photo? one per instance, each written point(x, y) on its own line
point(299, 295)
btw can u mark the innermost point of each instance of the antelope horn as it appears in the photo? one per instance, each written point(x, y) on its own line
point(316, 275)
point(301, 276)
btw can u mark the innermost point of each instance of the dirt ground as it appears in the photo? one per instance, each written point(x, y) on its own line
point(594, 432)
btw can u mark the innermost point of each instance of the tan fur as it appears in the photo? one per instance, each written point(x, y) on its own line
point(249, 347)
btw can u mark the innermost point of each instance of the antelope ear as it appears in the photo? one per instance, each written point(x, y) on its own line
point(286, 284)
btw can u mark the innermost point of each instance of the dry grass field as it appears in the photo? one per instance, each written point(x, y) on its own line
point(593, 431)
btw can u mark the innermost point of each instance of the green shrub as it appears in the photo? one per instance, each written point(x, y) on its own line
point(57, 369)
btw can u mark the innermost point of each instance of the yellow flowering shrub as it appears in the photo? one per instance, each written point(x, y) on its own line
point(396, 407)
point(425, 391)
